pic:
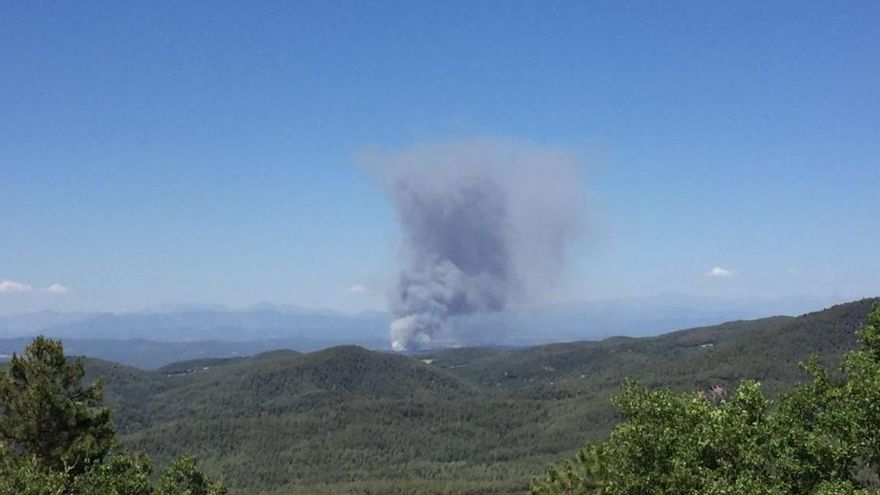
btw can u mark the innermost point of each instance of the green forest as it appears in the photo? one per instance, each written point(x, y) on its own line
point(778, 405)
point(821, 437)
point(56, 437)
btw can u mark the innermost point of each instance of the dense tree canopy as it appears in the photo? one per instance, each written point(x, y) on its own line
point(465, 421)
point(46, 412)
point(472, 421)
point(57, 439)
point(822, 438)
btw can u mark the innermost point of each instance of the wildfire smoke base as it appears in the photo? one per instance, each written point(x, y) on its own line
point(485, 224)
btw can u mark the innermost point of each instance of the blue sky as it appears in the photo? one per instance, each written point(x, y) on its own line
point(161, 152)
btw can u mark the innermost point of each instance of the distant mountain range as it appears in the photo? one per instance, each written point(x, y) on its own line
point(182, 325)
point(151, 338)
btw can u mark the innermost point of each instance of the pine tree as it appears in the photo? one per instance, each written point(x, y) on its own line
point(46, 413)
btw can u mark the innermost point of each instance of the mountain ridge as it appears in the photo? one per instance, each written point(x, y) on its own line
point(160, 336)
point(474, 420)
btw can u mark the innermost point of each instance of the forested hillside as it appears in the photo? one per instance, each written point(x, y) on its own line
point(57, 436)
point(348, 420)
point(820, 437)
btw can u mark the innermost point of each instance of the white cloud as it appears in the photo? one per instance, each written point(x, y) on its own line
point(57, 289)
point(358, 289)
point(10, 286)
point(719, 272)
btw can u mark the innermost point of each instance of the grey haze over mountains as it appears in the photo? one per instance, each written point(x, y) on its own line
point(152, 338)
point(184, 323)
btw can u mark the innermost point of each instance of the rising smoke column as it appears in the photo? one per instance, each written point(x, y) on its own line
point(484, 225)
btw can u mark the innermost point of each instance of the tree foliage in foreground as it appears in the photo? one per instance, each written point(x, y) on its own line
point(57, 439)
point(822, 438)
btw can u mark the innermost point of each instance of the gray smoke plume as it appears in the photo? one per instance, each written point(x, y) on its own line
point(484, 225)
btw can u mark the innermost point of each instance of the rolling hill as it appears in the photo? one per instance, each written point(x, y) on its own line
point(350, 420)
point(152, 338)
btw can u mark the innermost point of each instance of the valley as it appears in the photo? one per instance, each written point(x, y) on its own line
point(472, 420)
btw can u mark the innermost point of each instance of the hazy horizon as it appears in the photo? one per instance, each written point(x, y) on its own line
point(670, 298)
point(148, 158)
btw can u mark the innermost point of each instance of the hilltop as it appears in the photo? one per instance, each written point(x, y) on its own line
point(150, 339)
point(351, 420)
